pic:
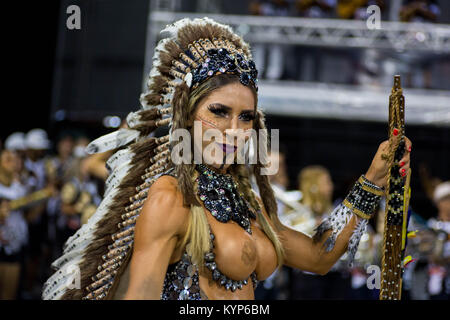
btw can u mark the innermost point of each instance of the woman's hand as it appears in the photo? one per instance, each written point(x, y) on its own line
point(379, 170)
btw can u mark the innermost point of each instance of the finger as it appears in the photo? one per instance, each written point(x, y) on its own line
point(408, 170)
point(403, 162)
point(384, 145)
point(394, 139)
point(408, 144)
point(405, 159)
point(404, 170)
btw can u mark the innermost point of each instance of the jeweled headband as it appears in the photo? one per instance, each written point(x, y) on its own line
point(205, 59)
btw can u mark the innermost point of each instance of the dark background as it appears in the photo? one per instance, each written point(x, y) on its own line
point(97, 71)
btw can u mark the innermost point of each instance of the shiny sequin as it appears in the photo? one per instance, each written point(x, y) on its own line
point(220, 196)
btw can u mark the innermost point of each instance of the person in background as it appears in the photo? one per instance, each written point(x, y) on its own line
point(427, 277)
point(79, 195)
point(37, 144)
point(58, 164)
point(317, 187)
point(16, 142)
point(356, 9)
point(96, 163)
point(56, 167)
point(419, 11)
point(439, 267)
point(13, 226)
point(316, 8)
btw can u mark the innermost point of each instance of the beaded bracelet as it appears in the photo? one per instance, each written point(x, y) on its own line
point(376, 189)
point(364, 197)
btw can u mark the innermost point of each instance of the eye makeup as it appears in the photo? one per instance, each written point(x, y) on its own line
point(221, 110)
point(247, 116)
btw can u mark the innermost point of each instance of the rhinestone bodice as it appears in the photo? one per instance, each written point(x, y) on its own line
point(182, 278)
point(181, 281)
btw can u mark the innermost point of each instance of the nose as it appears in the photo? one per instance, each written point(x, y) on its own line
point(234, 123)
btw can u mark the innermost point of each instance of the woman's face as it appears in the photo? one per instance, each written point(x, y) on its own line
point(10, 161)
point(230, 110)
point(65, 147)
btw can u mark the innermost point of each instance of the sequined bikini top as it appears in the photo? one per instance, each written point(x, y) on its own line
point(182, 278)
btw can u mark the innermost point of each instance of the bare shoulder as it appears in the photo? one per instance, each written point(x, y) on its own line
point(163, 213)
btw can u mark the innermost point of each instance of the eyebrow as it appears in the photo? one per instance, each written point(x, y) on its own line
point(227, 108)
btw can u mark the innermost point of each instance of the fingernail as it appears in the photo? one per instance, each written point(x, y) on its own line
point(395, 132)
point(403, 171)
point(401, 164)
point(409, 148)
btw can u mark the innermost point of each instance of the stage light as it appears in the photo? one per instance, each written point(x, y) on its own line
point(60, 115)
point(111, 121)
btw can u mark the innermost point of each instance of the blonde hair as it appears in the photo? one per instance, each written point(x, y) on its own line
point(308, 185)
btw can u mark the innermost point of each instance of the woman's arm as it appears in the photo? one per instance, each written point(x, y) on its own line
point(302, 252)
point(342, 230)
point(162, 222)
point(95, 165)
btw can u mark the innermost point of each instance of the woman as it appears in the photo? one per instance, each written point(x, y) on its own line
point(316, 187)
point(13, 227)
point(179, 230)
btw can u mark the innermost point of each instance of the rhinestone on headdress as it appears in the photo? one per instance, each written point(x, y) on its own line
point(221, 61)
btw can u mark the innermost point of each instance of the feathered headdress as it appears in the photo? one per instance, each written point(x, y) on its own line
point(99, 251)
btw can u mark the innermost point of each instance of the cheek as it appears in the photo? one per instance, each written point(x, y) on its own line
point(208, 120)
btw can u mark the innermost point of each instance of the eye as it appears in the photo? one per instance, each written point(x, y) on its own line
point(247, 116)
point(218, 110)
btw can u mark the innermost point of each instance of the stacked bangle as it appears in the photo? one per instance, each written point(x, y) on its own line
point(364, 197)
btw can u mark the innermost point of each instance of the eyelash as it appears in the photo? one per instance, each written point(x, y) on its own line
point(217, 110)
point(247, 117)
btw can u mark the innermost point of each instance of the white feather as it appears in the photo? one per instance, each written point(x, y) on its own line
point(60, 281)
point(112, 141)
point(118, 158)
point(67, 258)
point(133, 119)
point(115, 178)
point(87, 229)
point(171, 30)
point(85, 234)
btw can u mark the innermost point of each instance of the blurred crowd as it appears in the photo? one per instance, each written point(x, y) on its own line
point(47, 191)
point(426, 275)
point(333, 65)
point(408, 11)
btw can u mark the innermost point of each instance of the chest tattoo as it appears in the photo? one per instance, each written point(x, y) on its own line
point(248, 255)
